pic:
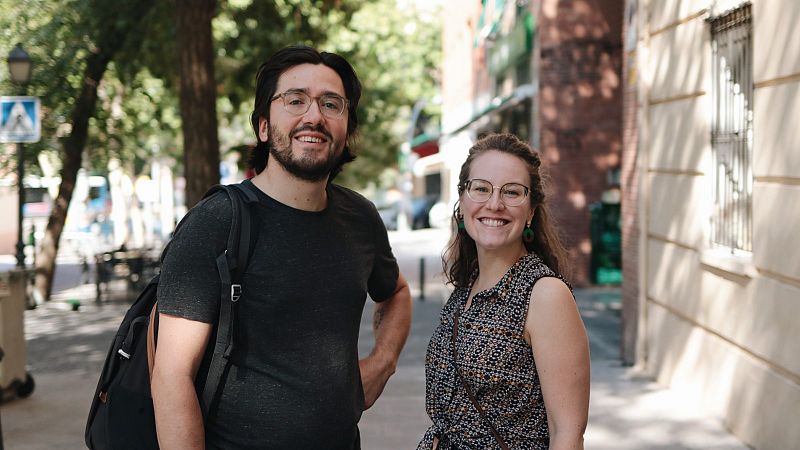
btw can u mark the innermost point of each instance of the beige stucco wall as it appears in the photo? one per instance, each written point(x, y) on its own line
point(775, 23)
point(663, 13)
point(720, 330)
point(677, 208)
point(684, 65)
point(777, 114)
point(678, 130)
point(756, 402)
point(776, 214)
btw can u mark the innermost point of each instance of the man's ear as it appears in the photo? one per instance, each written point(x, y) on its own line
point(263, 129)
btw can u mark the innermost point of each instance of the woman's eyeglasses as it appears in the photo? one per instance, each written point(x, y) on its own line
point(480, 191)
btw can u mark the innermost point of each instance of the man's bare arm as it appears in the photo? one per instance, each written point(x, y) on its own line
point(391, 324)
point(181, 345)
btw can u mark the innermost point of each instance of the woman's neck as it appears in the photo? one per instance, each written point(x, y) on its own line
point(492, 265)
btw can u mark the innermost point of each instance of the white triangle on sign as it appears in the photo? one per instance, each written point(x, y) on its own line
point(18, 122)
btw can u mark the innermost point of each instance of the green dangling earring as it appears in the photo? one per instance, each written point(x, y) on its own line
point(459, 217)
point(527, 233)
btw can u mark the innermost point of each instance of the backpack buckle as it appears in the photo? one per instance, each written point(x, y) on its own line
point(236, 292)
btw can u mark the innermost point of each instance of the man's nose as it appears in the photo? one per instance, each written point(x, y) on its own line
point(314, 113)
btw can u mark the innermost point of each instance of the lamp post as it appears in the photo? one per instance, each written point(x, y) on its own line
point(20, 67)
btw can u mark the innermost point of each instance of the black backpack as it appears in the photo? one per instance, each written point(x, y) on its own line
point(121, 416)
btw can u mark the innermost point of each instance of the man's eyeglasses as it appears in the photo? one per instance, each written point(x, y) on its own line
point(480, 191)
point(298, 103)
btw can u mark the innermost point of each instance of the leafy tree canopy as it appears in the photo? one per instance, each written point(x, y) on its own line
point(394, 49)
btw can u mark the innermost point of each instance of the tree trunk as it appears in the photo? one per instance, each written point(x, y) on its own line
point(198, 96)
point(110, 39)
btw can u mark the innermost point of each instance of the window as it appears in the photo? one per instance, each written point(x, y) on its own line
point(732, 130)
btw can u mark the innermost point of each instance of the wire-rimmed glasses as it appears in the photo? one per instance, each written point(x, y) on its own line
point(511, 194)
point(297, 103)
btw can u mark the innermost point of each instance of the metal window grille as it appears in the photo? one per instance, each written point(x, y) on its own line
point(732, 130)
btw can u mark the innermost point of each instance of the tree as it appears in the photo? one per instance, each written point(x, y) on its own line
point(92, 55)
point(396, 51)
point(104, 34)
point(248, 33)
point(394, 48)
point(110, 87)
point(198, 96)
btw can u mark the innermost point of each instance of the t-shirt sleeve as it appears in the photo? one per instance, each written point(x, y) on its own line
point(385, 272)
point(189, 285)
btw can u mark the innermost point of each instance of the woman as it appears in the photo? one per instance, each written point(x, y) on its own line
point(508, 366)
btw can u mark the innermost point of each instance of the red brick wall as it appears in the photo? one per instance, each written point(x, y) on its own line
point(580, 111)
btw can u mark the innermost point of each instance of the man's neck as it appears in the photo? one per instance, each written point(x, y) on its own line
point(284, 187)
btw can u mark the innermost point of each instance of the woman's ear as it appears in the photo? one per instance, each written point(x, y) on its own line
point(263, 129)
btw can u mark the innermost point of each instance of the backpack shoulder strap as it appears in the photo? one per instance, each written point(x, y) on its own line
point(231, 265)
point(240, 224)
point(249, 225)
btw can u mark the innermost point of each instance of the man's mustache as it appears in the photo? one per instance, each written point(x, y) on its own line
point(318, 129)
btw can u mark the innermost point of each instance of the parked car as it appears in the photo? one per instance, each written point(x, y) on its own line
point(420, 208)
point(389, 213)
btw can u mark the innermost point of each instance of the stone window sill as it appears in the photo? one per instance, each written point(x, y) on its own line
point(738, 263)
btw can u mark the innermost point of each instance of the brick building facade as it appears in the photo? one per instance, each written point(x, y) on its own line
point(580, 112)
point(548, 71)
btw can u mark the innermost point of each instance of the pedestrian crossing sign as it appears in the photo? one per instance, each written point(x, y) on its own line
point(19, 119)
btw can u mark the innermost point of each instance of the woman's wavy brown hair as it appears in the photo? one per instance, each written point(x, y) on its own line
point(460, 259)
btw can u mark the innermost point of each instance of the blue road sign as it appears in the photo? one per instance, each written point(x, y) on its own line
point(19, 119)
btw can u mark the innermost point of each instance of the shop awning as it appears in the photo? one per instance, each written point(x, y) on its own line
point(425, 144)
point(498, 104)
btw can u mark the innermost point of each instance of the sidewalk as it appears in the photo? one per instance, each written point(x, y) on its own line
point(627, 411)
point(66, 350)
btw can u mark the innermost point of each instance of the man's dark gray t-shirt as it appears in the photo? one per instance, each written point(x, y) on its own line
point(295, 381)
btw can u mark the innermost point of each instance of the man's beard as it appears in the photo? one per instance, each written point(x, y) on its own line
point(304, 167)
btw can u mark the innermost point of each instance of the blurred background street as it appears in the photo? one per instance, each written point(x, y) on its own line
point(667, 134)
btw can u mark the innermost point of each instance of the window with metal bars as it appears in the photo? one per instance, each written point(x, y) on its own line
point(732, 130)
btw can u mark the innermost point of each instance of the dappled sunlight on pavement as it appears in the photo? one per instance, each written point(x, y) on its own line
point(66, 350)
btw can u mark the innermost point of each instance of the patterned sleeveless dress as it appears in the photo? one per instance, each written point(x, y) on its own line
point(495, 360)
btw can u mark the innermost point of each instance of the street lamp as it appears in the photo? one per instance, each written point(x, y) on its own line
point(20, 68)
point(20, 65)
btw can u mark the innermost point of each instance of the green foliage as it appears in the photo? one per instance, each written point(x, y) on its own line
point(136, 120)
point(394, 49)
point(247, 33)
point(45, 29)
point(59, 35)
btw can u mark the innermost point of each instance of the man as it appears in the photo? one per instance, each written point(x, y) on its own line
point(296, 381)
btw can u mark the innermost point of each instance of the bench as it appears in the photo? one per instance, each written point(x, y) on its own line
point(136, 267)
